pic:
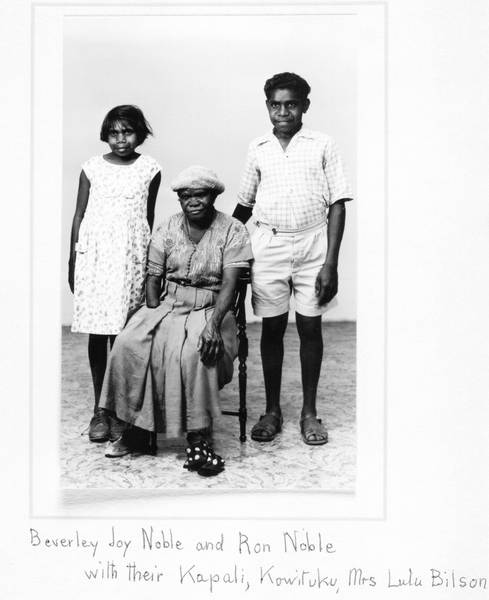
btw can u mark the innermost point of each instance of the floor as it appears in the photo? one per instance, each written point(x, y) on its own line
point(286, 463)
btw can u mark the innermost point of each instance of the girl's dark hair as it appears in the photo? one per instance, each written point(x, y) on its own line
point(289, 81)
point(130, 113)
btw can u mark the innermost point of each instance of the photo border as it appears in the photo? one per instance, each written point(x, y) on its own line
point(96, 501)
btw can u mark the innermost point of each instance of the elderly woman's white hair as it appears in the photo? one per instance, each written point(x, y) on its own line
point(197, 177)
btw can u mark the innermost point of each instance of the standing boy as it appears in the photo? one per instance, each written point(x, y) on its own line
point(295, 186)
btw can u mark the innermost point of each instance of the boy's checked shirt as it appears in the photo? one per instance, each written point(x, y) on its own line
point(293, 189)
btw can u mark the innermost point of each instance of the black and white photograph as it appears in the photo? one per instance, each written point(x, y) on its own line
point(276, 384)
point(245, 293)
point(195, 99)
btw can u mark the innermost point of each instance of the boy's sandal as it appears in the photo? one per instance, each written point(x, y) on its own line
point(313, 431)
point(267, 427)
point(213, 466)
point(197, 455)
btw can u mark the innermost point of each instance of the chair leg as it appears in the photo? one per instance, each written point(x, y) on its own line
point(242, 378)
point(243, 414)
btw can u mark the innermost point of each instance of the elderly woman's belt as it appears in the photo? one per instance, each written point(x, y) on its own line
point(188, 283)
point(183, 282)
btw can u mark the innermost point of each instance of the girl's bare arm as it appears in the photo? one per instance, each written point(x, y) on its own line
point(152, 193)
point(81, 205)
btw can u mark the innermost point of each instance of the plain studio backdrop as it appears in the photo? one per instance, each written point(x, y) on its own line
point(199, 81)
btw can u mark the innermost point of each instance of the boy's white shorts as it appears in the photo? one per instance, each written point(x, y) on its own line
point(287, 262)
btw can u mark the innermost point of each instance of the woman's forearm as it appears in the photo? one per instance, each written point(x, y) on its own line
point(153, 290)
point(225, 297)
point(210, 344)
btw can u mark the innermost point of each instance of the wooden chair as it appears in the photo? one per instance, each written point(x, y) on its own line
point(240, 314)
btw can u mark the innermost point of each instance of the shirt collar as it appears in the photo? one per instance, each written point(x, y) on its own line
point(306, 133)
point(303, 132)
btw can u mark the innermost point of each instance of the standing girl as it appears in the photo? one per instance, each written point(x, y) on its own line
point(109, 240)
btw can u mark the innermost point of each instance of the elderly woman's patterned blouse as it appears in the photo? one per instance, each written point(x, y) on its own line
point(173, 255)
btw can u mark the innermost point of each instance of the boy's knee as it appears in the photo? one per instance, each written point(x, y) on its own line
point(309, 328)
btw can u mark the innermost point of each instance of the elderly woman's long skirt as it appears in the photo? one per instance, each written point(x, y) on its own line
point(155, 378)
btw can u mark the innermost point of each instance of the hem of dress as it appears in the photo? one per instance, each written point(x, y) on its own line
point(105, 332)
point(204, 422)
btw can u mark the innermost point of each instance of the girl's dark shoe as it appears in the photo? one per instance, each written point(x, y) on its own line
point(99, 428)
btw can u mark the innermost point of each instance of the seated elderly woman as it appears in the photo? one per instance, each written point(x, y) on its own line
point(174, 355)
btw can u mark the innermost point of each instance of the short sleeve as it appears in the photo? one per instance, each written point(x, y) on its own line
point(88, 168)
point(237, 251)
point(338, 185)
point(153, 166)
point(156, 252)
point(249, 179)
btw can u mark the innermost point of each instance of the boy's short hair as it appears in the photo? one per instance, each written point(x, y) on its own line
point(289, 81)
point(130, 113)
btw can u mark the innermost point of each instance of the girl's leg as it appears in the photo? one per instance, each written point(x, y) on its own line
point(99, 430)
point(97, 356)
point(117, 427)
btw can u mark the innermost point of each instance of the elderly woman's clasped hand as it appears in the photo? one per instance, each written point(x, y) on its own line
point(210, 345)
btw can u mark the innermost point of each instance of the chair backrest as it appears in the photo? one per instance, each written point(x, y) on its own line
point(240, 296)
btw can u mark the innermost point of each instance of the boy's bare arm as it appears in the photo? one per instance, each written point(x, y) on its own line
point(242, 213)
point(327, 279)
